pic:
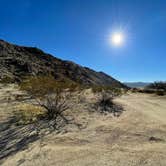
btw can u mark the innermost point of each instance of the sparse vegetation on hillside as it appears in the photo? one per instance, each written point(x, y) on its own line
point(109, 89)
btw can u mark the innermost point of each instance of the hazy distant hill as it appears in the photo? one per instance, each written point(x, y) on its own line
point(18, 61)
point(136, 84)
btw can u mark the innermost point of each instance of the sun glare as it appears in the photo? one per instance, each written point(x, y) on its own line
point(117, 39)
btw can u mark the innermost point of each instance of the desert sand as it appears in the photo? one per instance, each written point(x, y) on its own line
point(136, 138)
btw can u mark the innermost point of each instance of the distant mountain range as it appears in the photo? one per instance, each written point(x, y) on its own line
point(17, 62)
point(136, 84)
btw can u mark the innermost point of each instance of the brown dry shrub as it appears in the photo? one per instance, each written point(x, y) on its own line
point(50, 94)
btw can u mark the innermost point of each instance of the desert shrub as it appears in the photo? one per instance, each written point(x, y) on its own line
point(146, 90)
point(96, 89)
point(139, 90)
point(28, 113)
point(108, 89)
point(149, 91)
point(157, 85)
point(117, 91)
point(158, 88)
point(134, 90)
point(160, 93)
point(6, 80)
point(105, 104)
point(53, 96)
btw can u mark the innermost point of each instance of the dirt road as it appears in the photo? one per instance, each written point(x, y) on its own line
point(136, 138)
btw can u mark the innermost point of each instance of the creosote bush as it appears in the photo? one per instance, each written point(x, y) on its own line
point(53, 96)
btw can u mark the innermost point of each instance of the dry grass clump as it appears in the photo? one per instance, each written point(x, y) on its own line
point(28, 113)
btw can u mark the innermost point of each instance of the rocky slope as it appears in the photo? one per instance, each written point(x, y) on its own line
point(18, 61)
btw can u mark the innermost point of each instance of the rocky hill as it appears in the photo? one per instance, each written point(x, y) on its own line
point(19, 61)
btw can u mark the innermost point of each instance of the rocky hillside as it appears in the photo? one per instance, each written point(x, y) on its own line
point(18, 61)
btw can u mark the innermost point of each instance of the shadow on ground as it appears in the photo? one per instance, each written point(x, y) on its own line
point(14, 138)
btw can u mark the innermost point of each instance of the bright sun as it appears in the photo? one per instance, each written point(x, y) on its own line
point(117, 39)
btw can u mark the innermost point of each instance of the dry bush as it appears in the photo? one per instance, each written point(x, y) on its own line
point(157, 85)
point(97, 89)
point(105, 104)
point(160, 93)
point(108, 89)
point(145, 90)
point(159, 88)
point(134, 90)
point(6, 80)
point(53, 96)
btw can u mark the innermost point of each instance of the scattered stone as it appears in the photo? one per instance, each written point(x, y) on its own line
point(155, 139)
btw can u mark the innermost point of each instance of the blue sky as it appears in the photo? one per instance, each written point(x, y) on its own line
point(79, 30)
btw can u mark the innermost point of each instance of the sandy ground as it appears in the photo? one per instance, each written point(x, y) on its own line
point(136, 138)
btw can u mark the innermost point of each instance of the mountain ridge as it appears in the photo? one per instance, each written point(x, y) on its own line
point(137, 84)
point(19, 61)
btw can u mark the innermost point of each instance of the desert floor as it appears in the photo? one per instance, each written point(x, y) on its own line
point(136, 138)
